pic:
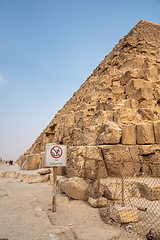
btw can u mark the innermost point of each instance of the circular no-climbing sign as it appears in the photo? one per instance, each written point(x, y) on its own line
point(56, 152)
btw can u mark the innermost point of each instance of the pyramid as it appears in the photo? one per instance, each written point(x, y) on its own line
point(114, 117)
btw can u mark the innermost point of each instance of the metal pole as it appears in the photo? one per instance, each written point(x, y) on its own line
point(54, 189)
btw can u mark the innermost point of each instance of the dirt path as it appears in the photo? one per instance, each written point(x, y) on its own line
point(26, 215)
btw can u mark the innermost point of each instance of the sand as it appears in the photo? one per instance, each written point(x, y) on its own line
point(25, 214)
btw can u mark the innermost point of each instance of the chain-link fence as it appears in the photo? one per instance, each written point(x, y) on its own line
point(133, 201)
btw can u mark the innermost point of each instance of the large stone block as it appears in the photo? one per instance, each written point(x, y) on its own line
point(148, 191)
point(76, 137)
point(103, 116)
point(94, 166)
point(75, 188)
point(89, 135)
point(117, 89)
point(75, 161)
point(86, 162)
point(136, 83)
point(98, 202)
point(151, 164)
point(128, 134)
point(141, 93)
point(32, 178)
point(126, 115)
point(9, 174)
point(111, 134)
point(148, 114)
point(157, 131)
point(118, 160)
point(112, 188)
point(145, 133)
point(146, 149)
point(69, 119)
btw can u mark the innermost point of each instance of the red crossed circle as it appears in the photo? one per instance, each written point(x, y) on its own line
point(56, 152)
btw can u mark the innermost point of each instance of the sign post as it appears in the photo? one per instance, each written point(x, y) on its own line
point(55, 155)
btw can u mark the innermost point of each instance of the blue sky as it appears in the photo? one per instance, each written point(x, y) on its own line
point(48, 48)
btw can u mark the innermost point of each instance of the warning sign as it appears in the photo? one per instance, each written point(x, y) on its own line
point(55, 155)
point(56, 152)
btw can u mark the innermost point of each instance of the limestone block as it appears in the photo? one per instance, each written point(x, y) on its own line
point(75, 188)
point(145, 133)
point(146, 149)
point(118, 160)
point(98, 202)
point(148, 114)
point(78, 115)
point(157, 131)
point(89, 135)
point(76, 137)
point(117, 89)
point(124, 214)
point(61, 134)
point(83, 162)
point(102, 116)
point(112, 191)
point(86, 121)
point(126, 115)
point(43, 171)
point(149, 192)
point(126, 77)
point(141, 93)
point(35, 161)
point(134, 152)
point(9, 174)
point(93, 163)
point(75, 161)
point(151, 164)
point(69, 119)
point(111, 134)
point(137, 83)
point(106, 80)
point(36, 178)
point(128, 134)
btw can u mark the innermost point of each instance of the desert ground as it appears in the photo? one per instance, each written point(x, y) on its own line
point(26, 214)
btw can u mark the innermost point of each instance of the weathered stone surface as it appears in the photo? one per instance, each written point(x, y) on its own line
point(141, 93)
point(86, 162)
point(36, 178)
point(145, 133)
point(149, 192)
point(157, 131)
point(111, 134)
point(75, 188)
point(127, 115)
point(128, 134)
point(124, 214)
point(9, 174)
point(118, 160)
point(146, 149)
point(43, 171)
point(98, 202)
point(137, 83)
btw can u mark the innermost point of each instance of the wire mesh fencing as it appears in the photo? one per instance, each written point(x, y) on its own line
point(133, 201)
